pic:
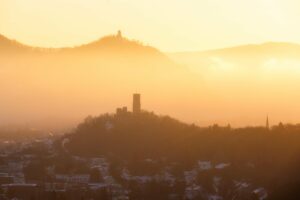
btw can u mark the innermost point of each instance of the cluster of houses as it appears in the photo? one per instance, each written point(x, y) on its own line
point(14, 185)
point(241, 188)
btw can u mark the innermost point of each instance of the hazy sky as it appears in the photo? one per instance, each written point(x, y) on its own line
point(171, 25)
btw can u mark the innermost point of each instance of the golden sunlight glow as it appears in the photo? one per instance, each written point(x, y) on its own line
point(171, 25)
point(237, 85)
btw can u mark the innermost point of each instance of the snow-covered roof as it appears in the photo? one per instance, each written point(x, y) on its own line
point(204, 165)
point(222, 165)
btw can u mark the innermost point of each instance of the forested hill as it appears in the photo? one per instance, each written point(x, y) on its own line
point(147, 135)
point(144, 134)
point(145, 142)
point(111, 44)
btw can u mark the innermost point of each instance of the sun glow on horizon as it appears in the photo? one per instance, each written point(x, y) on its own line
point(236, 85)
point(168, 25)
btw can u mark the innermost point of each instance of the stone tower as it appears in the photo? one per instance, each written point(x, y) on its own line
point(136, 104)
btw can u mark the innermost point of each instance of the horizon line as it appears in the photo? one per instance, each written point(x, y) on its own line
point(146, 44)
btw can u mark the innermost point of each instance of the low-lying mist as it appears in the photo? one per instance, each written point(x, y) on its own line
point(56, 89)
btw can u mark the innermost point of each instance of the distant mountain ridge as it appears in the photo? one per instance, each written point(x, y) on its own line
point(251, 55)
point(249, 48)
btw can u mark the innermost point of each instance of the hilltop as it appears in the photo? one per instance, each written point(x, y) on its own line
point(108, 50)
point(116, 43)
point(107, 44)
point(126, 134)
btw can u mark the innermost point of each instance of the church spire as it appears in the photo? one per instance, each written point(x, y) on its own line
point(119, 34)
point(267, 123)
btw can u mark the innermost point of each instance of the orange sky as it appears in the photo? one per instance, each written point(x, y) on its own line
point(171, 25)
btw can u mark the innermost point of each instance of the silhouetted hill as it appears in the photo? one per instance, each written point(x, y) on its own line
point(11, 46)
point(109, 50)
point(116, 43)
point(113, 44)
point(128, 134)
point(255, 154)
point(161, 136)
